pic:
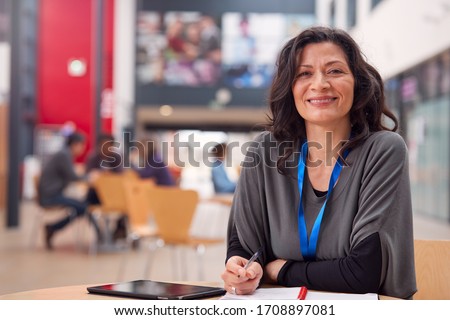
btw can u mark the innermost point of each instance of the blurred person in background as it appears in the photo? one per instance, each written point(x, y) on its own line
point(102, 159)
point(210, 40)
point(57, 173)
point(105, 158)
point(148, 162)
point(221, 181)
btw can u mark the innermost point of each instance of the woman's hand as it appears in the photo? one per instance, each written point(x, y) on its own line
point(273, 269)
point(237, 280)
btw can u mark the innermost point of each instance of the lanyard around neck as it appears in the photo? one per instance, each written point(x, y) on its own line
point(308, 247)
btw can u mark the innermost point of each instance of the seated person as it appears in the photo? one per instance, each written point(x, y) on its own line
point(149, 164)
point(101, 159)
point(222, 183)
point(325, 191)
point(56, 175)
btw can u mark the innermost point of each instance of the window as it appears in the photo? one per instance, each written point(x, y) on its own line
point(333, 14)
point(351, 13)
point(4, 20)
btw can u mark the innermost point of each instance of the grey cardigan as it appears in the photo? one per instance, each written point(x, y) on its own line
point(371, 196)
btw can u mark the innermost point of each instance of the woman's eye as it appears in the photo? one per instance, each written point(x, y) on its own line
point(303, 74)
point(335, 71)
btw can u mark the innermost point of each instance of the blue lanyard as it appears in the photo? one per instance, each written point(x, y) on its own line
point(308, 248)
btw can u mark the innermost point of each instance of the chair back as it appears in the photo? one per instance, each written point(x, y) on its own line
point(138, 205)
point(111, 191)
point(432, 262)
point(130, 174)
point(173, 209)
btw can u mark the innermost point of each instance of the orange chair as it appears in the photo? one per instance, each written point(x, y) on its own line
point(173, 210)
point(140, 224)
point(110, 189)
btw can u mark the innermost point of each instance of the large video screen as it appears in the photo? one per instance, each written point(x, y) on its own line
point(194, 53)
point(193, 49)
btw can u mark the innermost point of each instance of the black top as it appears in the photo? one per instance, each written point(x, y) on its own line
point(359, 272)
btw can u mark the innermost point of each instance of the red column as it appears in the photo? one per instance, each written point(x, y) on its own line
point(108, 105)
point(65, 33)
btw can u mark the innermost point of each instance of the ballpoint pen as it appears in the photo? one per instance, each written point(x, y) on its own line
point(253, 259)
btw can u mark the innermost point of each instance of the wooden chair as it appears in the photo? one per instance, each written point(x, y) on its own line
point(110, 189)
point(130, 174)
point(432, 261)
point(140, 224)
point(173, 210)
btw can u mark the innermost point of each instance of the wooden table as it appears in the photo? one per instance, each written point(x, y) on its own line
point(79, 292)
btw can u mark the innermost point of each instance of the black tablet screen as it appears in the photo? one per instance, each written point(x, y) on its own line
point(147, 289)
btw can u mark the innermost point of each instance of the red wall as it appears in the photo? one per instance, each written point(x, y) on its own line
point(65, 32)
point(108, 62)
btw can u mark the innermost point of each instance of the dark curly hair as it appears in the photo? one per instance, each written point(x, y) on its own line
point(366, 114)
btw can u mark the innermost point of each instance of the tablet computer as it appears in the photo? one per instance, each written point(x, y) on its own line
point(147, 289)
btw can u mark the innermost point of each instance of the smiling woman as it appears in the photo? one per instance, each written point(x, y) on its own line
point(323, 88)
point(328, 214)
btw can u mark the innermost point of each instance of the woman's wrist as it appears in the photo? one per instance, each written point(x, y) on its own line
point(272, 270)
point(281, 277)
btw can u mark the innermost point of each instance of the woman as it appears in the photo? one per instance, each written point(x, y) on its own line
point(325, 192)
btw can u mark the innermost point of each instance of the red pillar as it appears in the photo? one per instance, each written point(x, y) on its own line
point(65, 33)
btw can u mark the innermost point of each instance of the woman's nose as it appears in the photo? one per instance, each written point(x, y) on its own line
point(320, 81)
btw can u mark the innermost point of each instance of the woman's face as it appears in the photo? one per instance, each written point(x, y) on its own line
point(324, 85)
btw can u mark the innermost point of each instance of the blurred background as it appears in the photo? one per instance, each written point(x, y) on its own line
point(190, 74)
